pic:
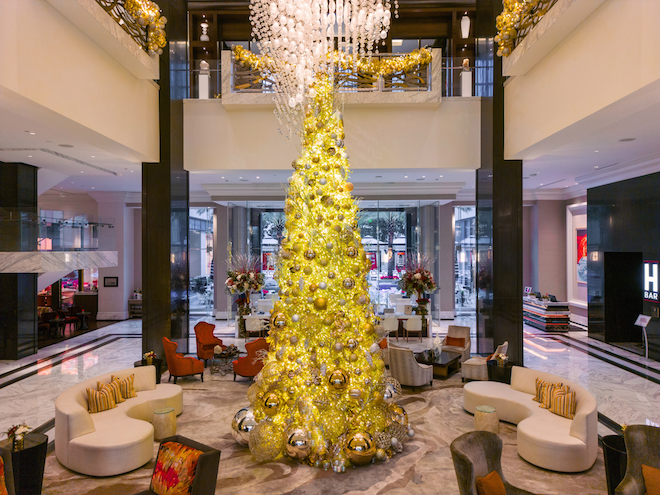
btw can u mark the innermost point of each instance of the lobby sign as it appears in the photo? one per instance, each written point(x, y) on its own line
point(651, 280)
point(581, 258)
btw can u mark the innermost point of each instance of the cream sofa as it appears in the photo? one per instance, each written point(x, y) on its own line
point(114, 441)
point(544, 439)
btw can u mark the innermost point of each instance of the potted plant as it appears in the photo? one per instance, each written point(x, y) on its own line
point(243, 277)
point(149, 357)
point(418, 279)
point(16, 435)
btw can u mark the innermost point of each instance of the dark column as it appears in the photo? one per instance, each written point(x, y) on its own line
point(499, 210)
point(165, 204)
point(18, 232)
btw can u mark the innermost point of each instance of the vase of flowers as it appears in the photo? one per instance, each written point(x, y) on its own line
point(243, 277)
point(16, 435)
point(149, 357)
point(418, 279)
point(502, 359)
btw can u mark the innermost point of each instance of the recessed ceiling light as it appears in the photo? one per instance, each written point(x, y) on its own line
point(222, 177)
point(596, 166)
point(133, 171)
point(442, 176)
point(82, 172)
point(33, 133)
point(405, 176)
point(92, 188)
point(596, 151)
point(66, 145)
point(29, 156)
point(257, 177)
point(625, 140)
point(240, 177)
point(423, 176)
point(93, 156)
point(541, 183)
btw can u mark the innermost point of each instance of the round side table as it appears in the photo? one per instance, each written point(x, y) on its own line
point(485, 419)
point(164, 423)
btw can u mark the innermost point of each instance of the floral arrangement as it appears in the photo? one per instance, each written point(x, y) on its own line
point(243, 275)
point(417, 279)
point(501, 359)
point(149, 355)
point(17, 433)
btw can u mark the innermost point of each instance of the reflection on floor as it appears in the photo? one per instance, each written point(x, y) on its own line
point(69, 333)
point(424, 467)
point(626, 386)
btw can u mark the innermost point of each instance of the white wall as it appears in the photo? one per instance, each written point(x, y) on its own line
point(415, 136)
point(52, 72)
point(613, 54)
point(69, 203)
point(113, 301)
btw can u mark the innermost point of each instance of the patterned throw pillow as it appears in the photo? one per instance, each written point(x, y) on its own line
point(175, 469)
point(100, 400)
point(544, 392)
point(3, 486)
point(564, 402)
point(116, 391)
point(126, 386)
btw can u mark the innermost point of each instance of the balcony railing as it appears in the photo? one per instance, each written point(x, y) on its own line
point(244, 80)
point(30, 230)
point(117, 10)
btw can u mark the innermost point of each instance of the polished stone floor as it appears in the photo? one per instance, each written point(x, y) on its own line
point(626, 386)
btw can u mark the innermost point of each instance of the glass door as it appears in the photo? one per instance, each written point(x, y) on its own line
point(200, 257)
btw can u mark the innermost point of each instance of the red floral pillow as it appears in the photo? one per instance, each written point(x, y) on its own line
point(175, 469)
point(3, 487)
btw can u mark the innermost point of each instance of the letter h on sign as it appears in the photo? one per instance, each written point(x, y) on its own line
point(651, 280)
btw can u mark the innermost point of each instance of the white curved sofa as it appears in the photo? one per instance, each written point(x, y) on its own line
point(114, 441)
point(544, 439)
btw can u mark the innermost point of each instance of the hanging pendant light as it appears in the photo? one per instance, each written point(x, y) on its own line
point(465, 26)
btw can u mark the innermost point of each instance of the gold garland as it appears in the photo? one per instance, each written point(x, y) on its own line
point(370, 66)
point(147, 13)
point(516, 15)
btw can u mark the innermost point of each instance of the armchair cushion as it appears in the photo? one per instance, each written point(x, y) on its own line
point(454, 341)
point(491, 485)
point(651, 479)
point(175, 469)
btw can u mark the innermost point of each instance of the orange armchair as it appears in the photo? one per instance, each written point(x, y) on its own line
point(248, 366)
point(179, 365)
point(206, 341)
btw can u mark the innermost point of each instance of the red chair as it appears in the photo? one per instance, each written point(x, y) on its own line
point(179, 365)
point(248, 366)
point(69, 320)
point(206, 341)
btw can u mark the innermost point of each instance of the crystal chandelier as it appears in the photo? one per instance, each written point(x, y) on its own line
point(302, 39)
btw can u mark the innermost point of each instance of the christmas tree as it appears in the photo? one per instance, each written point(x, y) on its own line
point(322, 396)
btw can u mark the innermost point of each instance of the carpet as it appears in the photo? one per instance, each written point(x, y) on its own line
point(424, 467)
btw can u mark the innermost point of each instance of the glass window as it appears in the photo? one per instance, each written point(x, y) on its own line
point(465, 245)
point(200, 260)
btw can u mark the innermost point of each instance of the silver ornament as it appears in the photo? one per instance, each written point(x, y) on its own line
point(323, 181)
point(339, 346)
point(310, 299)
point(242, 424)
point(295, 318)
point(329, 245)
point(342, 302)
point(323, 285)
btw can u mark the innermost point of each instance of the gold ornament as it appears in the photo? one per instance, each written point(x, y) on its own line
point(327, 321)
point(320, 303)
point(338, 379)
point(351, 344)
point(348, 283)
point(369, 329)
point(355, 393)
point(331, 275)
point(271, 403)
point(323, 262)
point(360, 448)
point(310, 254)
point(351, 251)
point(298, 444)
point(266, 441)
point(398, 414)
point(278, 320)
point(349, 186)
point(381, 455)
point(307, 270)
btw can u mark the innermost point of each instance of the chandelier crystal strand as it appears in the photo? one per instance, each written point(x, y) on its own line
point(299, 39)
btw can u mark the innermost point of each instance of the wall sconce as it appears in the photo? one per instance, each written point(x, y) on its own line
point(465, 26)
point(205, 30)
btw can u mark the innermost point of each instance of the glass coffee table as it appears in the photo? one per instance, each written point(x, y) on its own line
point(444, 363)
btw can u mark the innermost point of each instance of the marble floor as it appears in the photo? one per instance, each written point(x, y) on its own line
point(626, 386)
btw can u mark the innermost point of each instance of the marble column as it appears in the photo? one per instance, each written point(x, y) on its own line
point(113, 301)
point(446, 261)
point(18, 232)
point(220, 254)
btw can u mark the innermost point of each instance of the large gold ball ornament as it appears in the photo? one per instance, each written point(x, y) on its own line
point(266, 441)
point(323, 261)
point(271, 404)
point(351, 344)
point(327, 321)
point(338, 379)
point(313, 288)
point(242, 424)
point(349, 186)
point(297, 248)
point(351, 251)
point(298, 443)
point(307, 270)
point(360, 448)
point(398, 414)
point(320, 303)
point(310, 254)
point(381, 455)
point(278, 320)
point(369, 329)
point(348, 283)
